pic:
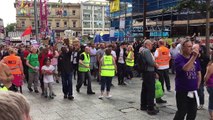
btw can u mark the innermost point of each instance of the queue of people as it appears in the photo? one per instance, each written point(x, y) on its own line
point(101, 62)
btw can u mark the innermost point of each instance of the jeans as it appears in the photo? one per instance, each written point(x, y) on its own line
point(41, 78)
point(121, 72)
point(210, 91)
point(81, 78)
point(185, 107)
point(201, 93)
point(67, 84)
point(75, 70)
point(164, 76)
point(148, 90)
point(129, 73)
point(106, 83)
point(26, 73)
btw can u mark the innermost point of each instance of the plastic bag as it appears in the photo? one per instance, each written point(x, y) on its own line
point(158, 89)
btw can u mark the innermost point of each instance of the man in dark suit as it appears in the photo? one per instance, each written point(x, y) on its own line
point(121, 55)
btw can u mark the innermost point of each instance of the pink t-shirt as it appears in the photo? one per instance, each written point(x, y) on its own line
point(54, 60)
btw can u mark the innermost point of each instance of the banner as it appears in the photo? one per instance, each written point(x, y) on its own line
point(112, 32)
point(122, 23)
point(114, 6)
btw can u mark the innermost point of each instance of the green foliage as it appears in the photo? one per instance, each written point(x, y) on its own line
point(10, 28)
point(191, 5)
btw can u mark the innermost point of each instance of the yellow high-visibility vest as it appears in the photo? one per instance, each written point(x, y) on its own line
point(107, 68)
point(86, 61)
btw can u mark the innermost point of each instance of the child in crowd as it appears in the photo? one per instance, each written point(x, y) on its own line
point(48, 71)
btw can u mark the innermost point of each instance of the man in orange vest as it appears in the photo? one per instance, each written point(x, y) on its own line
point(162, 58)
point(15, 64)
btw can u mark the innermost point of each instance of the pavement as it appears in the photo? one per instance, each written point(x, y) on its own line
point(124, 104)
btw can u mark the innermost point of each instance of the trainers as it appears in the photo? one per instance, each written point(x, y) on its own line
point(143, 108)
point(57, 81)
point(45, 96)
point(36, 91)
point(200, 107)
point(51, 97)
point(169, 90)
point(30, 89)
point(91, 93)
point(152, 112)
point(100, 97)
point(160, 101)
point(53, 94)
point(108, 96)
point(78, 90)
point(65, 96)
point(123, 83)
point(70, 97)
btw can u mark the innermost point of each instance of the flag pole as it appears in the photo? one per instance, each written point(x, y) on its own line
point(36, 20)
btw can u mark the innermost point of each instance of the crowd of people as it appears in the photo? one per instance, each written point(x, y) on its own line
point(186, 57)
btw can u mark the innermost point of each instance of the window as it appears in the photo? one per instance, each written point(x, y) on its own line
point(22, 24)
point(65, 13)
point(65, 23)
point(73, 12)
point(49, 24)
point(57, 34)
point(33, 24)
point(74, 24)
point(57, 24)
point(86, 24)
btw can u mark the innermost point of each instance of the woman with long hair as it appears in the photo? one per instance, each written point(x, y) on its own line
point(208, 78)
point(129, 62)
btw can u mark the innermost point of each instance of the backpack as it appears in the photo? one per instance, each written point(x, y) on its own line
point(141, 62)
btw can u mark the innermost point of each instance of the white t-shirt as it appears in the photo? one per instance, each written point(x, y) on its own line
point(48, 78)
point(178, 47)
point(93, 51)
point(120, 58)
point(113, 53)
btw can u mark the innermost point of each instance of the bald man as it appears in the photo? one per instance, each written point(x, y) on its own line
point(148, 85)
point(84, 71)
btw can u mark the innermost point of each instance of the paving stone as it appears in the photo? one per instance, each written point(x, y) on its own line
point(89, 107)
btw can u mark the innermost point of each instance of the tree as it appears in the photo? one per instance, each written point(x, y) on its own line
point(202, 6)
point(10, 28)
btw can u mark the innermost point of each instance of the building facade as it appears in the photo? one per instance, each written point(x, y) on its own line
point(169, 23)
point(2, 32)
point(162, 20)
point(61, 17)
point(94, 17)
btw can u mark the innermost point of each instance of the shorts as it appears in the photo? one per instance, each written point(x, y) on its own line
point(18, 80)
point(93, 66)
point(210, 91)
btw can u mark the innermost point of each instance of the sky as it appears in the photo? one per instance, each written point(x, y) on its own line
point(8, 12)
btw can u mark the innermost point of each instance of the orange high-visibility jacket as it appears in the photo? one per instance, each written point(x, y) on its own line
point(14, 63)
point(163, 57)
